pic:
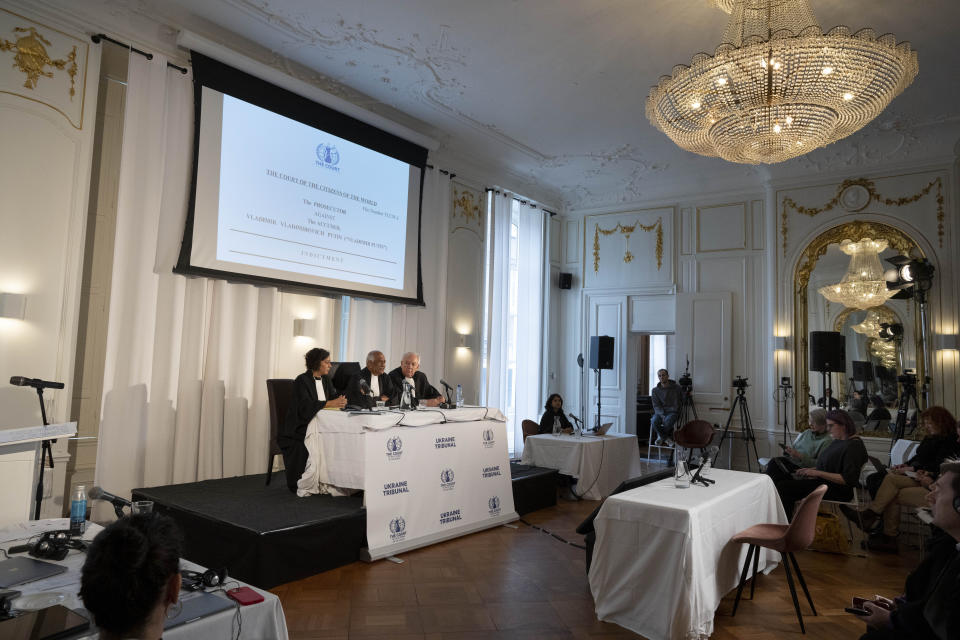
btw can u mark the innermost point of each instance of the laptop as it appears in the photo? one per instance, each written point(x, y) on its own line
point(602, 431)
point(51, 623)
point(196, 605)
point(21, 570)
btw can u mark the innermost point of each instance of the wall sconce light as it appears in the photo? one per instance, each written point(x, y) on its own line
point(947, 342)
point(465, 340)
point(304, 327)
point(13, 305)
point(780, 343)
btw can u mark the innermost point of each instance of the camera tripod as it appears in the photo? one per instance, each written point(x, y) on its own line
point(746, 426)
point(687, 407)
point(903, 405)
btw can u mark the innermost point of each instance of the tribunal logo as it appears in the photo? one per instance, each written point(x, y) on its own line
point(491, 472)
point(328, 157)
point(394, 448)
point(493, 505)
point(398, 529)
point(488, 438)
point(447, 482)
point(449, 517)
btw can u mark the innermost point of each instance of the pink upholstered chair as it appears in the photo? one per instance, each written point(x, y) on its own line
point(785, 538)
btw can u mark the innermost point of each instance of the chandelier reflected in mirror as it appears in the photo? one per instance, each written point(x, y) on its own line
point(862, 285)
point(777, 87)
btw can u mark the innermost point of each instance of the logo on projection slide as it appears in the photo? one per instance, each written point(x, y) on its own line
point(394, 448)
point(488, 439)
point(447, 482)
point(398, 529)
point(494, 505)
point(328, 157)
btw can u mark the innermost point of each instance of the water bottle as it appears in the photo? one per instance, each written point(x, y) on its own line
point(705, 465)
point(459, 396)
point(78, 510)
point(556, 425)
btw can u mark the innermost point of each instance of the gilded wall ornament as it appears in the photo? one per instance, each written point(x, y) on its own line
point(626, 231)
point(32, 59)
point(467, 211)
point(855, 194)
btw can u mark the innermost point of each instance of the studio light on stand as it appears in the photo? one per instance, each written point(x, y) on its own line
point(913, 278)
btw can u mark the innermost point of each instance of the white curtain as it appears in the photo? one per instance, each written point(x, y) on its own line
point(398, 328)
point(184, 397)
point(531, 332)
point(498, 305)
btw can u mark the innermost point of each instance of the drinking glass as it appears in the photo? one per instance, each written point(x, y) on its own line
point(141, 506)
point(681, 477)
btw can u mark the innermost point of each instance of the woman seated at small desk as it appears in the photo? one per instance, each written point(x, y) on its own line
point(553, 419)
point(838, 466)
point(131, 576)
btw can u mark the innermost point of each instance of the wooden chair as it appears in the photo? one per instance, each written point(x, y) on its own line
point(530, 428)
point(785, 538)
point(279, 396)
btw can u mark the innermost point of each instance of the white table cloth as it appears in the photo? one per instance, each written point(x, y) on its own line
point(261, 620)
point(599, 463)
point(663, 559)
point(334, 442)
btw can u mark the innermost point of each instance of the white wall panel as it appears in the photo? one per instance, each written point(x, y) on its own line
point(722, 228)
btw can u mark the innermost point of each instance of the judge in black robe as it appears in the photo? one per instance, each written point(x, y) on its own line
point(409, 368)
point(357, 394)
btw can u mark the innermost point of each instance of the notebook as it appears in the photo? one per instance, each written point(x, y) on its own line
point(21, 570)
point(196, 605)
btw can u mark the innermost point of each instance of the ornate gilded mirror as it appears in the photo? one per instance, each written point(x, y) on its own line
point(823, 303)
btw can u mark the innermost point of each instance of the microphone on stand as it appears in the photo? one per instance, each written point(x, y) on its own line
point(36, 383)
point(118, 503)
point(449, 389)
point(575, 418)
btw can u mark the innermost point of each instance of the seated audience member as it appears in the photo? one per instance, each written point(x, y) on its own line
point(828, 401)
point(372, 377)
point(928, 607)
point(838, 465)
point(409, 370)
point(805, 450)
point(859, 402)
point(131, 576)
point(666, 407)
point(879, 410)
point(896, 487)
point(312, 391)
point(553, 419)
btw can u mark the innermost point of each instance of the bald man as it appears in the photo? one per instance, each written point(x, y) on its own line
point(379, 383)
point(409, 370)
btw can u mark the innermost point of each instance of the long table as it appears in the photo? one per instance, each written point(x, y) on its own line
point(599, 463)
point(428, 475)
point(261, 620)
point(663, 559)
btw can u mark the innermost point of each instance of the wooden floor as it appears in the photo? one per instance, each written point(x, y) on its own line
point(524, 584)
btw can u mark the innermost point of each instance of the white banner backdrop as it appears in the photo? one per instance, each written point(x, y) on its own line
point(431, 483)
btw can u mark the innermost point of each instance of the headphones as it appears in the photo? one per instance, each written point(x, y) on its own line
point(52, 545)
point(206, 580)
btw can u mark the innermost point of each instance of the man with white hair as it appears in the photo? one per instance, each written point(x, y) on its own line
point(928, 608)
point(409, 372)
point(372, 384)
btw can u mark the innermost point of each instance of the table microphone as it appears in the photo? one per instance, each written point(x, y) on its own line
point(97, 493)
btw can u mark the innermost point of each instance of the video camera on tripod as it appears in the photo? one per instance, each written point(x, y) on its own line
point(740, 384)
point(685, 381)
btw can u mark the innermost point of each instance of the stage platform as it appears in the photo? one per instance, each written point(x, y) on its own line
point(267, 536)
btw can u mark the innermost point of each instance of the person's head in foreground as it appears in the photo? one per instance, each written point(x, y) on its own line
point(944, 498)
point(131, 576)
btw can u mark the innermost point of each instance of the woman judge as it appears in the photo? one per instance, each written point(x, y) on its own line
point(312, 391)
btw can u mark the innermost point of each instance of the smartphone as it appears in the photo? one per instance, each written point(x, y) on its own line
point(857, 612)
point(858, 602)
point(244, 595)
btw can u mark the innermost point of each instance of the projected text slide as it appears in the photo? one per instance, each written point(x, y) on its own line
point(297, 199)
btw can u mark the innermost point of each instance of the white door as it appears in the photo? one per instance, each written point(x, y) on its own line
point(607, 316)
point(704, 334)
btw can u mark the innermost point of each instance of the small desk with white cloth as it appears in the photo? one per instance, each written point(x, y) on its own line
point(260, 620)
point(663, 559)
point(428, 475)
point(599, 463)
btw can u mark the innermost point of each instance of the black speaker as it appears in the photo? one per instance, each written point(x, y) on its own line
point(828, 351)
point(565, 281)
point(862, 371)
point(601, 352)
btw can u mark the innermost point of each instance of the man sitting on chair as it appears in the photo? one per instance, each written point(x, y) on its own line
point(666, 407)
point(372, 384)
point(409, 371)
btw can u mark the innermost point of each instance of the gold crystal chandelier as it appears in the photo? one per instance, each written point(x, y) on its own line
point(870, 325)
point(778, 87)
point(862, 285)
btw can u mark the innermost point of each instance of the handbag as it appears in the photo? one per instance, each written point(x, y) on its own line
point(828, 534)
